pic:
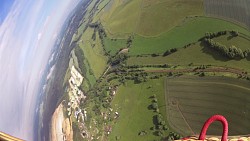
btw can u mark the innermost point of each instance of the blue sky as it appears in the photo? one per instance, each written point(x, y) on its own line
point(5, 6)
point(28, 31)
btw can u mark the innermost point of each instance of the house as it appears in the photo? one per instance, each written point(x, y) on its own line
point(77, 78)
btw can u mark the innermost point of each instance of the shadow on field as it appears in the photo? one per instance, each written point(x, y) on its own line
point(215, 54)
point(150, 107)
point(155, 125)
point(248, 58)
point(155, 120)
point(230, 37)
point(151, 97)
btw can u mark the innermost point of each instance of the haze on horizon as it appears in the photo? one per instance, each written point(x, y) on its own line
point(28, 31)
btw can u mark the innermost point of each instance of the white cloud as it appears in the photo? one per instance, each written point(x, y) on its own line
point(26, 41)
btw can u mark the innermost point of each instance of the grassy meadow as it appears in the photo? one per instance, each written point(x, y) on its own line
point(132, 102)
point(122, 17)
point(93, 52)
point(157, 15)
point(114, 45)
point(240, 41)
point(190, 32)
point(194, 54)
point(150, 17)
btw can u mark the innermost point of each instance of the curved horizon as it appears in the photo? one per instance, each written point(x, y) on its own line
point(28, 32)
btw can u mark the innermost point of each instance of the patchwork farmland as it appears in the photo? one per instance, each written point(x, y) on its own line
point(191, 100)
point(236, 10)
point(125, 49)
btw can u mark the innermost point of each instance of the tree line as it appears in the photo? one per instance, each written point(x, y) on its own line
point(211, 35)
point(232, 52)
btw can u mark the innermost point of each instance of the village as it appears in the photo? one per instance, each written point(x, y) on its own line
point(76, 96)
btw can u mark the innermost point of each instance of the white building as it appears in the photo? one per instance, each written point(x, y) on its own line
point(76, 77)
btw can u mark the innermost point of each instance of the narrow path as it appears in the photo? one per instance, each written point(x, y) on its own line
point(167, 92)
point(215, 69)
point(106, 70)
point(185, 119)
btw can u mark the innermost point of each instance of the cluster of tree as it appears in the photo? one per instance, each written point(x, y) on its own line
point(159, 122)
point(211, 35)
point(94, 25)
point(201, 67)
point(121, 57)
point(98, 27)
point(160, 125)
point(155, 55)
point(101, 32)
point(170, 51)
point(173, 136)
point(139, 77)
point(80, 58)
point(96, 109)
point(94, 35)
point(154, 77)
point(100, 97)
point(142, 55)
point(129, 41)
point(248, 78)
point(188, 45)
point(142, 133)
point(154, 104)
point(232, 52)
point(234, 33)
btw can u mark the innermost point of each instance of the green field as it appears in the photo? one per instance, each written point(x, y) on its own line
point(157, 15)
point(191, 100)
point(179, 36)
point(147, 29)
point(93, 52)
point(194, 54)
point(241, 41)
point(145, 22)
point(132, 101)
point(114, 45)
point(114, 19)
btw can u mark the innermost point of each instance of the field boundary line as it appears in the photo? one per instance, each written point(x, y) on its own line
point(185, 119)
point(167, 92)
point(220, 83)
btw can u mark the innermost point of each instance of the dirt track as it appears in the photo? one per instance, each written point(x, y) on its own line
point(214, 69)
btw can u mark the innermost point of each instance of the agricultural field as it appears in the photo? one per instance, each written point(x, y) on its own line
point(237, 11)
point(241, 41)
point(191, 31)
point(114, 18)
point(114, 45)
point(194, 54)
point(191, 100)
point(157, 17)
point(139, 54)
point(132, 102)
point(145, 22)
point(198, 54)
point(93, 52)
